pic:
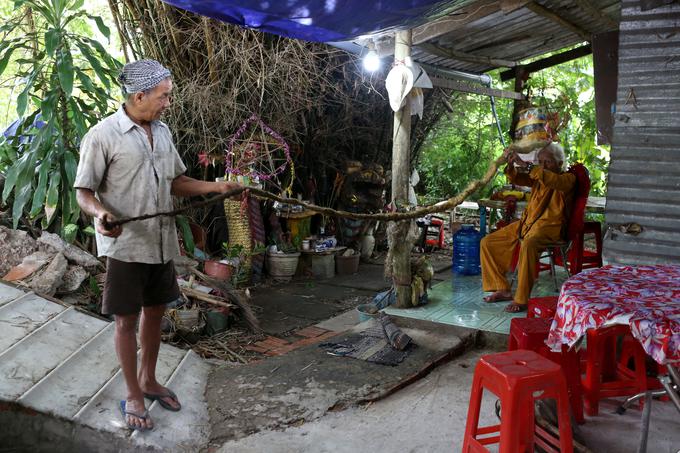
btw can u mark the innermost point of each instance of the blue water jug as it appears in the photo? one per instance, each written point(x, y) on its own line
point(466, 251)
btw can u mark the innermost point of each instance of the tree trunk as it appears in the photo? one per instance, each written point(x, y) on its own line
point(400, 241)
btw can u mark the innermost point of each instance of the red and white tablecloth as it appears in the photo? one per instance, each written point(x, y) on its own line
point(645, 297)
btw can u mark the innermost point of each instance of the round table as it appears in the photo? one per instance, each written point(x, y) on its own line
point(645, 297)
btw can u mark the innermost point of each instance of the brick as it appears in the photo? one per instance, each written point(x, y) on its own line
point(256, 348)
point(310, 332)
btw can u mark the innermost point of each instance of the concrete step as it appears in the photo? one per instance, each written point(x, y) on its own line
point(62, 363)
point(188, 429)
point(91, 367)
point(22, 316)
point(102, 411)
point(9, 293)
point(31, 359)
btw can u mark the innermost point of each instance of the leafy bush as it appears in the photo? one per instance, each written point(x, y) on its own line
point(461, 146)
point(68, 79)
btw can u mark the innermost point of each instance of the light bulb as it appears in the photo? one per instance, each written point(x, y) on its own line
point(371, 61)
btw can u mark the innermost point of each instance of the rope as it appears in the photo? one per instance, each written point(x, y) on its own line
point(441, 206)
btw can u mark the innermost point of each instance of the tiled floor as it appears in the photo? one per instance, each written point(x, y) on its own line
point(458, 301)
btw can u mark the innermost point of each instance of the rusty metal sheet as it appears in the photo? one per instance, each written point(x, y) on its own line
point(644, 173)
point(605, 70)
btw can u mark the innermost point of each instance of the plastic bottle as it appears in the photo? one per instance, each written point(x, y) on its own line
point(466, 251)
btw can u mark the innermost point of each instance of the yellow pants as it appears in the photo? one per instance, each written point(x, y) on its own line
point(496, 253)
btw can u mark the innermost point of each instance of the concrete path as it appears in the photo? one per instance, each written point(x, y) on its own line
point(429, 417)
point(61, 363)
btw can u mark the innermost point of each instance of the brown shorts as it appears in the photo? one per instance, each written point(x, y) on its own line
point(131, 286)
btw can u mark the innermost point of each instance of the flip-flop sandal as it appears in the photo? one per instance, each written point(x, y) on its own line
point(164, 404)
point(142, 416)
point(495, 298)
point(515, 308)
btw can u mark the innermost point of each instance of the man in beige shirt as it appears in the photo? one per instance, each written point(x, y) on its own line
point(128, 167)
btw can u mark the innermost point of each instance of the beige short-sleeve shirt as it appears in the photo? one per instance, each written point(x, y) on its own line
point(130, 179)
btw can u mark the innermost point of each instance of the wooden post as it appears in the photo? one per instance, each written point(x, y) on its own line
point(400, 241)
point(520, 79)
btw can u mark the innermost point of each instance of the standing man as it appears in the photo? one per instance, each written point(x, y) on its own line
point(129, 167)
point(541, 224)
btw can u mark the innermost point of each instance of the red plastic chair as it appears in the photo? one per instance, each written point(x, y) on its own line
point(575, 228)
point(531, 333)
point(542, 307)
point(434, 236)
point(588, 259)
point(517, 378)
point(605, 376)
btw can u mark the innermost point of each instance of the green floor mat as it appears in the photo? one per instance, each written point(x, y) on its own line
point(459, 301)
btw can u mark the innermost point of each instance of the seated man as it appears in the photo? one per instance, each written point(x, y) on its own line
point(541, 224)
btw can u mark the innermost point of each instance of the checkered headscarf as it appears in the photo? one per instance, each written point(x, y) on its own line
point(142, 75)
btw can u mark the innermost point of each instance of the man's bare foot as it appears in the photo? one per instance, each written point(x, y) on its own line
point(136, 416)
point(498, 296)
point(515, 307)
point(165, 397)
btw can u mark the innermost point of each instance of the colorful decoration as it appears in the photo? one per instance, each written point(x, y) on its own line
point(261, 154)
point(536, 127)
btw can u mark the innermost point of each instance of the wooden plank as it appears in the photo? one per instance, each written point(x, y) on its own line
point(477, 89)
point(589, 8)
point(463, 56)
point(551, 61)
point(548, 14)
point(454, 20)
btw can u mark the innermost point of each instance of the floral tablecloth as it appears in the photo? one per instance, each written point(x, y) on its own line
point(645, 297)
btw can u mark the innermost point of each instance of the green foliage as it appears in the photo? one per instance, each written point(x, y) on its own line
point(569, 90)
point(66, 82)
point(461, 146)
point(187, 236)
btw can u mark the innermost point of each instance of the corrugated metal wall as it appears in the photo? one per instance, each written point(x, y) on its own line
point(644, 174)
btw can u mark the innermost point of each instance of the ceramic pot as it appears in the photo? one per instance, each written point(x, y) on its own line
point(218, 270)
point(367, 245)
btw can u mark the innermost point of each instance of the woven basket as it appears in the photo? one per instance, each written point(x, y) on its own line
point(282, 266)
point(239, 234)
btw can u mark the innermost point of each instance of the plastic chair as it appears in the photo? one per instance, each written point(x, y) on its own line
point(588, 259)
point(517, 378)
point(575, 228)
point(531, 333)
point(542, 307)
point(605, 377)
point(434, 235)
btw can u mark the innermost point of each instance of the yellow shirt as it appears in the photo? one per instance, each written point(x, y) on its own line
point(551, 193)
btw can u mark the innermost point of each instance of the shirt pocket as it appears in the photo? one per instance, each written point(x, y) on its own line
point(129, 159)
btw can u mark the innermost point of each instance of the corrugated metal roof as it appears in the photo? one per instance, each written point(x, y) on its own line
point(644, 173)
point(483, 28)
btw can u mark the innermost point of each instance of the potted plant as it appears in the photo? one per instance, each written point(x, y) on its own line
point(282, 259)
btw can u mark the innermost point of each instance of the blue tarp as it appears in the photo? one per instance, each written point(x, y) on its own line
point(13, 128)
point(319, 20)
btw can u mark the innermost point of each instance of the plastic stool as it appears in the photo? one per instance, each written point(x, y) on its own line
point(542, 307)
point(605, 377)
point(517, 378)
point(531, 333)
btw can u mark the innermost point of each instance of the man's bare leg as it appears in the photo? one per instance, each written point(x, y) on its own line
point(150, 338)
point(126, 349)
